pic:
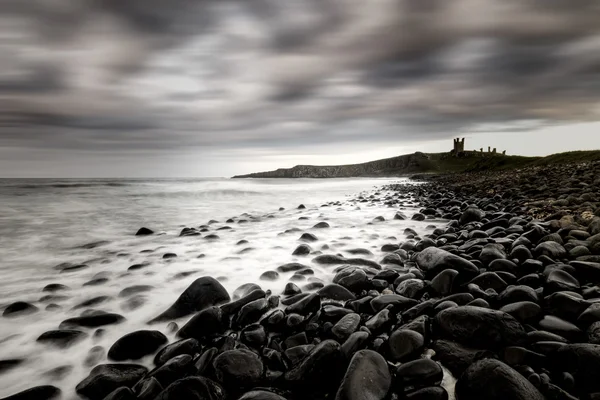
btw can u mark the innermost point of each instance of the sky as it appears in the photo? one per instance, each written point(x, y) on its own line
point(185, 88)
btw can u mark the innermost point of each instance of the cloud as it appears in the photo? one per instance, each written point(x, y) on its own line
point(176, 74)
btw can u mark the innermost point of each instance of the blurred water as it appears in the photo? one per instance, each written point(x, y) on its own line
point(44, 223)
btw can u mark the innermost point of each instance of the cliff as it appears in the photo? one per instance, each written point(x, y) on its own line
point(405, 164)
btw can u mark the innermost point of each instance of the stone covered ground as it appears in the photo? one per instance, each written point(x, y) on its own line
point(505, 297)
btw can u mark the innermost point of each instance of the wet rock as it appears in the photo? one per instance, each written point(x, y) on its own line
point(428, 393)
point(302, 250)
point(524, 311)
point(560, 327)
point(202, 293)
point(18, 309)
point(398, 302)
point(261, 395)
point(105, 378)
point(148, 389)
point(122, 393)
point(144, 231)
point(205, 324)
point(94, 355)
point(443, 282)
point(434, 260)
point(73, 268)
point(291, 289)
point(175, 368)
point(269, 276)
point(456, 357)
point(61, 338)
point(238, 368)
point(8, 364)
point(479, 327)
point(334, 291)
point(251, 312)
point(318, 368)
point(417, 374)
point(193, 388)
point(235, 306)
point(54, 287)
point(367, 378)
point(136, 345)
point(405, 344)
point(306, 305)
point(92, 321)
point(184, 346)
point(346, 326)
point(46, 392)
point(352, 278)
point(471, 214)
point(308, 237)
point(492, 379)
point(551, 249)
point(131, 290)
point(321, 225)
point(411, 288)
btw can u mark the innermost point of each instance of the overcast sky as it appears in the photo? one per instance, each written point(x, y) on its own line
point(119, 88)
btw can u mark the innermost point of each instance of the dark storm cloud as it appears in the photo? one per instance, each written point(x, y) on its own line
point(258, 73)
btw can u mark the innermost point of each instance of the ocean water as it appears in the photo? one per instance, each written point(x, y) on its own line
point(44, 223)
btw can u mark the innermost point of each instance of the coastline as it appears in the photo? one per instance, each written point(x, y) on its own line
point(502, 288)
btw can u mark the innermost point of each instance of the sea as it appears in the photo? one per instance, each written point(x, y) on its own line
point(46, 224)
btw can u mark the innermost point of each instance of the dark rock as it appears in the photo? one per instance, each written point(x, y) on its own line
point(428, 393)
point(36, 393)
point(148, 389)
point(367, 378)
point(238, 368)
point(167, 256)
point(193, 388)
point(457, 357)
point(334, 291)
point(144, 231)
point(61, 338)
point(395, 300)
point(136, 345)
point(92, 321)
point(560, 327)
point(172, 370)
point(308, 237)
point(291, 289)
point(105, 378)
point(306, 305)
point(352, 278)
point(54, 287)
point(492, 379)
point(205, 324)
point(551, 249)
point(411, 288)
point(434, 260)
point(251, 312)
point(321, 225)
point(202, 293)
point(346, 326)
point(184, 346)
point(236, 306)
point(261, 395)
point(405, 344)
point(443, 282)
point(18, 309)
point(479, 327)
point(269, 276)
point(302, 250)
point(122, 393)
point(417, 374)
point(131, 290)
point(471, 214)
point(95, 354)
point(319, 368)
point(583, 362)
point(524, 311)
point(291, 267)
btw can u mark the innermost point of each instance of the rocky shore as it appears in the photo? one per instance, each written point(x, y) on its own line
point(502, 296)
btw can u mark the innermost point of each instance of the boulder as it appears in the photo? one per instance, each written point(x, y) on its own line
point(205, 324)
point(238, 368)
point(491, 379)
point(193, 388)
point(62, 338)
point(367, 378)
point(405, 344)
point(105, 378)
point(184, 346)
point(18, 309)
point(479, 327)
point(46, 392)
point(433, 260)
point(202, 293)
point(136, 345)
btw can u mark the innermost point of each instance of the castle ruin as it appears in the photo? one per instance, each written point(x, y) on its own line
point(459, 148)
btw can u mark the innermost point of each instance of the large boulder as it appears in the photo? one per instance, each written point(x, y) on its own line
point(319, 368)
point(202, 293)
point(491, 379)
point(238, 368)
point(193, 388)
point(479, 327)
point(206, 323)
point(62, 338)
point(583, 362)
point(367, 378)
point(433, 260)
point(105, 378)
point(136, 345)
point(46, 392)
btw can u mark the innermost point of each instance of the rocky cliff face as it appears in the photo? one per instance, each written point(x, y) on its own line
point(409, 163)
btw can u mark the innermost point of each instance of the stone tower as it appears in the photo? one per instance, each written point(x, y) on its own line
point(459, 145)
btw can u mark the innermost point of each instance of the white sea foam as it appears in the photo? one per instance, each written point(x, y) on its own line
point(44, 223)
